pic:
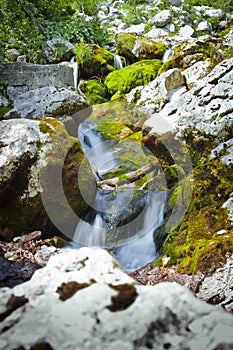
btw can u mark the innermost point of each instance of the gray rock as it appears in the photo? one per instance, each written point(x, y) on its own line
point(186, 32)
point(82, 300)
point(12, 54)
point(3, 101)
point(215, 13)
point(136, 28)
point(226, 149)
point(58, 50)
point(195, 72)
point(204, 26)
point(22, 77)
point(205, 107)
point(156, 33)
point(217, 288)
point(48, 102)
point(30, 153)
point(158, 92)
point(162, 18)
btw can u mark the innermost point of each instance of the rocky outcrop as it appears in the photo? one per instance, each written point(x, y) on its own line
point(117, 313)
point(207, 107)
point(47, 102)
point(32, 152)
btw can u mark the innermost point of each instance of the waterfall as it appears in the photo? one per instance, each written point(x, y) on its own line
point(74, 65)
point(121, 221)
point(167, 55)
point(118, 62)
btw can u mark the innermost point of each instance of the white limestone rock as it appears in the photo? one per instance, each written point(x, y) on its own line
point(195, 72)
point(207, 106)
point(47, 102)
point(204, 26)
point(162, 18)
point(82, 300)
point(158, 92)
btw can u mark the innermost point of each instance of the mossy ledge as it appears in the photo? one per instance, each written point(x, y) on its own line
point(203, 239)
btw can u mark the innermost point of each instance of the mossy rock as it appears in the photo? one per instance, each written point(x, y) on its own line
point(33, 173)
point(94, 60)
point(124, 45)
point(94, 90)
point(206, 50)
point(149, 49)
point(127, 78)
point(204, 238)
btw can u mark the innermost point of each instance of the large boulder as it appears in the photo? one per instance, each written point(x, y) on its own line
point(47, 102)
point(39, 158)
point(82, 299)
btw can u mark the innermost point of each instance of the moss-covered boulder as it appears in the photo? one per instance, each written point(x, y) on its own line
point(124, 45)
point(129, 77)
point(133, 48)
point(93, 60)
point(94, 90)
point(39, 189)
point(148, 49)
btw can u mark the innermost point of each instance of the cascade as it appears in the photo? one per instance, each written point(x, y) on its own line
point(121, 221)
point(167, 55)
point(118, 62)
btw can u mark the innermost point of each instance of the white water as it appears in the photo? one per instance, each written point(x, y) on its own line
point(167, 55)
point(132, 243)
point(74, 65)
point(118, 62)
point(142, 250)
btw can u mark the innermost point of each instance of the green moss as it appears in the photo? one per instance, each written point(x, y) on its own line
point(195, 243)
point(118, 96)
point(94, 90)
point(124, 45)
point(94, 60)
point(127, 78)
point(149, 49)
point(4, 110)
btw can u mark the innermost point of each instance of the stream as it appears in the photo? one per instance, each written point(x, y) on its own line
point(121, 220)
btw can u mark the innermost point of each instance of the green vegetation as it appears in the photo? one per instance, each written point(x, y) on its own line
point(94, 60)
point(204, 237)
point(225, 5)
point(127, 78)
point(26, 25)
point(94, 90)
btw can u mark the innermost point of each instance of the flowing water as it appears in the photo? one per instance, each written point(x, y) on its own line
point(118, 62)
point(123, 220)
point(167, 55)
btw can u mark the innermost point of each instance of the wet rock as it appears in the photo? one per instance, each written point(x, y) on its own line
point(31, 151)
point(47, 102)
point(113, 304)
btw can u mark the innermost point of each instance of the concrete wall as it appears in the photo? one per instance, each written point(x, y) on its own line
point(22, 77)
